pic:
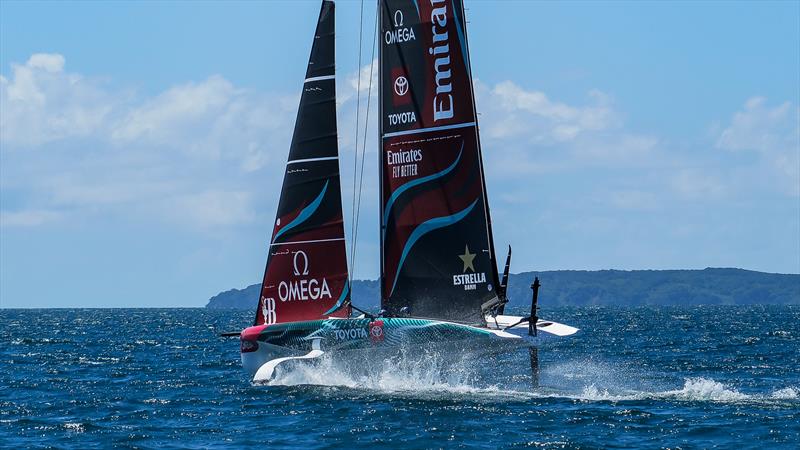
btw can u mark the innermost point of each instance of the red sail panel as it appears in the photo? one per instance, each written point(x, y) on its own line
point(306, 273)
point(437, 251)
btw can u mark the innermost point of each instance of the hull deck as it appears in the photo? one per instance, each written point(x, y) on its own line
point(384, 336)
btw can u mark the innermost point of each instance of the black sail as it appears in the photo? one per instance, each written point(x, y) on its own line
point(306, 273)
point(437, 254)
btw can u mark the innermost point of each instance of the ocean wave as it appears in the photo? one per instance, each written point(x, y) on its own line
point(425, 378)
point(97, 361)
point(75, 427)
point(789, 393)
point(696, 389)
point(704, 389)
point(38, 341)
point(780, 333)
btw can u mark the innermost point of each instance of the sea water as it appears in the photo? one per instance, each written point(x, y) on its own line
point(690, 377)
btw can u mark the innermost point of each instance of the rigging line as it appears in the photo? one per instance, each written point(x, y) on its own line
point(366, 127)
point(355, 151)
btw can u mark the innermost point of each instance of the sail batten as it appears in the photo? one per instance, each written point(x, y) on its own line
point(437, 255)
point(426, 130)
point(306, 275)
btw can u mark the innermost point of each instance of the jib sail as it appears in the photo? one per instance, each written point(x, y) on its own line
point(306, 273)
point(437, 252)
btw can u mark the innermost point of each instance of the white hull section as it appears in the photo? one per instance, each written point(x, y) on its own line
point(547, 327)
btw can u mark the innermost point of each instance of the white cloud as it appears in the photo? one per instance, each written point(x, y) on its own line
point(761, 128)
point(98, 191)
point(207, 154)
point(41, 103)
point(352, 85)
point(526, 132)
point(200, 154)
point(773, 133)
point(697, 184)
point(30, 218)
point(194, 147)
point(167, 115)
point(211, 119)
point(531, 113)
point(620, 149)
point(51, 62)
point(211, 208)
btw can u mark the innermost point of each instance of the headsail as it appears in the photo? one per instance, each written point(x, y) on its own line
point(306, 273)
point(437, 252)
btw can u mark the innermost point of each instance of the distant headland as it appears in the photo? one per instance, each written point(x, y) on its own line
point(710, 286)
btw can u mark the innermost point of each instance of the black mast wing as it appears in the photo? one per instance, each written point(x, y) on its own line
point(306, 273)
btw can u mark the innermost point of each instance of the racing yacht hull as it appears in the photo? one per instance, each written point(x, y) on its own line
point(273, 344)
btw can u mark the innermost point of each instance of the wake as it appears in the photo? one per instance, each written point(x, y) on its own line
point(431, 376)
point(697, 389)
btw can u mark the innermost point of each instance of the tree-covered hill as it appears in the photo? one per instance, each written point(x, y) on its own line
point(605, 287)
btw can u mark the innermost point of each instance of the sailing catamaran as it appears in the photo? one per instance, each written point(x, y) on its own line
point(439, 278)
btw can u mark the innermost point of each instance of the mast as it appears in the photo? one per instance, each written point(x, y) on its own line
point(437, 254)
point(381, 225)
point(495, 275)
point(306, 272)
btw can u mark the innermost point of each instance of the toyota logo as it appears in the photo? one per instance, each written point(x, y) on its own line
point(376, 331)
point(400, 86)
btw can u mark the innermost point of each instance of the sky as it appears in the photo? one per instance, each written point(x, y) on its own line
point(142, 144)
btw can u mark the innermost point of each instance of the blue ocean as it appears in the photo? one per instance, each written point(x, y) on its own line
point(688, 377)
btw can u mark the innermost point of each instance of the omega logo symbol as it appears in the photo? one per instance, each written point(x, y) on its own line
point(400, 86)
point(398, 18)
point(297, 271)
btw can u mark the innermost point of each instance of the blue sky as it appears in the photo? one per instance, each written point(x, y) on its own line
point(142, 143)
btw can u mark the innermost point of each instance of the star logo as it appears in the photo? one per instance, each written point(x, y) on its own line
point(467, 258)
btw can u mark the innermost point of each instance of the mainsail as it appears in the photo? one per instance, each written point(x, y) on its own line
point(306, 273)
point(437, 254)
